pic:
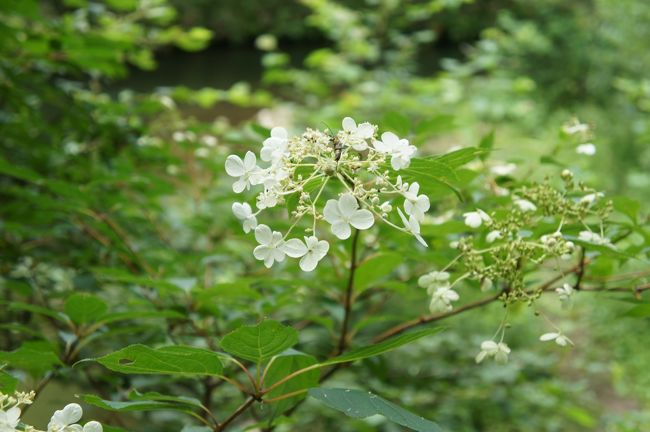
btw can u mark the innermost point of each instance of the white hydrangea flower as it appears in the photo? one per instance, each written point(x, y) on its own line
point(592, 237)
point(490, 348)
point(271, 248)
point(494, 236)
point(413, 226)
point(243, 212)
point(587, 149)
point(591, 198)
point(93, 426)
point(9, 419)
point(246, 171)
point(357, 136)
point(575, 127)
point(565, 293)
point(476, 218)
point(275, 147)
point(434, 279)
point(414, 204)
point(344, 212)
point(558, 337)
point(400, 150)
point(267, 199)
point(503, 169)
point(64, 420)
point(525, 205)
point(310, 252)
point(442, 298)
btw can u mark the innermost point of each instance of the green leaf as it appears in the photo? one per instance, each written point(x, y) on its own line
point(639, 311)
point(458, 158)
point(138, 405)
point(130, 315)
point(430, 172)
point(396, 122)
point(486, 144)
point(361, 404)
point(84, 308)
point(260, 342)
point(281, 367)
point(38, 310)
point(33, 357)
point(170, 360)
point(8, 383)
point(375, 268)
point(383, 347)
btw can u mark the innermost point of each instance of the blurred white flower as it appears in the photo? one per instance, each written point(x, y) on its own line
point(476, 218)
point(525, 205)
point(559, 338)
point(246, 171)
point(442, 298)
point(243, 212)
point(356, 136)
point(490, 348)
point(414, 204)
point(586, 149)
point(493, 236)
point(400, 150)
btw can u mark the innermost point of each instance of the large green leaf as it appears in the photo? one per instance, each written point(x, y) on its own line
point(84, 308)
point(170, 360)
point(281, 367)
point(361, 404)
point(375, 268)
point(33, 357)
point(260, 342)
point(383, 347)
point(136, 405)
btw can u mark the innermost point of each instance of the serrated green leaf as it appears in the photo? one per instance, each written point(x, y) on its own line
point(84, 308)
point(260, 342)
point(139, 405)
point(361, 404)
point(170, 360)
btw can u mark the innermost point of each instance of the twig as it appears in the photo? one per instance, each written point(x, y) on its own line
point(349, 291)
point(239, 411)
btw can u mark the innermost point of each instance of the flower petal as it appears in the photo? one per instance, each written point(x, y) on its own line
point(349, 124)
point(263, 234)
point(279, 132)
point(362, 219)
point(390, 139)
point(234, 166)
point(93, 426)
point(341, 230)
point(331, 211)
point(295, 248)
point(250, 161)
point(365, 130)
point(348, 205)
point(309, 262)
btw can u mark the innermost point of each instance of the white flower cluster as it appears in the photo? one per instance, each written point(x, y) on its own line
point(441, 292)
point(581, 130)
point(64, 420)
point(363, 170)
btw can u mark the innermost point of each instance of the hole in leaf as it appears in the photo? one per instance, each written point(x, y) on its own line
point(125, 361)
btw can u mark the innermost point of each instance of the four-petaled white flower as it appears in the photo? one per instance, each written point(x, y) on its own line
point(400, 150)
point(592, 237)
point(275, 147)
point(476, 218)
point(565, 293)
point(525, 205)
point(357, 135)
point(65, 420)
point(586, 149)
point(493, 236)
point(246, 170)
point(271, 246)
point(490, 348)
point(442, 298)
point(433, 280)
point(558, 337)
point(9, 419)
point(413, 226)
point(344, 212)
point(414, 204)
point(243, 212)
point(310, 252)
